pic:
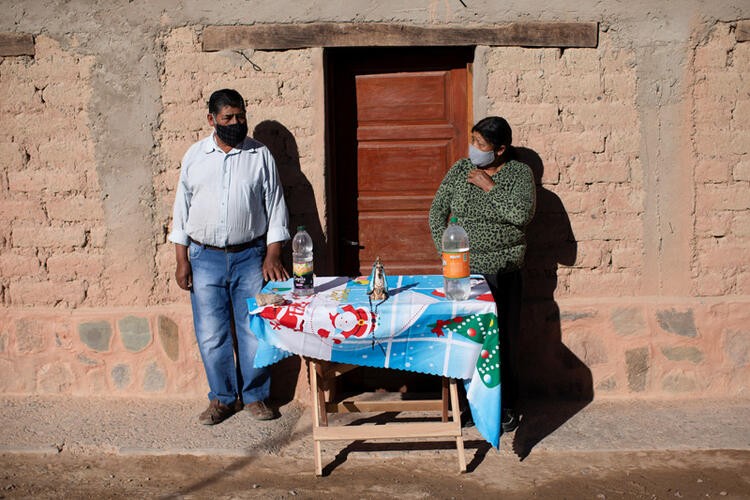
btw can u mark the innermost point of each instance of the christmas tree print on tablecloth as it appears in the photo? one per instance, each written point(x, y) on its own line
point(482, 329)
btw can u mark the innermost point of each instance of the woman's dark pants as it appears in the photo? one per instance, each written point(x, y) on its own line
point(507, 289)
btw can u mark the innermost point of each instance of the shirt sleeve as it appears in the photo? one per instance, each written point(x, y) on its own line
point(278, 217)
point(441, 207)
point(518, 206)
point(181, 208)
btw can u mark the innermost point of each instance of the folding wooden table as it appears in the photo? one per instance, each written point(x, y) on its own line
point(322, 388)
point(416, 329)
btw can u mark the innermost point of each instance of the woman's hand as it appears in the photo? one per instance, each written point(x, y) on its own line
point(481, 179)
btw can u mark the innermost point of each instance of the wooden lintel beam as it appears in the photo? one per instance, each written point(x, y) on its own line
point(16, 44)
point(296, 36)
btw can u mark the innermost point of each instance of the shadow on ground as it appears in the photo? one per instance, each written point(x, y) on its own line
point(555, 384)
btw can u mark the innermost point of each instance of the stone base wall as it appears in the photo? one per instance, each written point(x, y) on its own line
point(573, 349)
point(631, 347)
point(98, 352)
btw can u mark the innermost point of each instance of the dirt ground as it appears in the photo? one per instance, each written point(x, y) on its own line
point(574, 475)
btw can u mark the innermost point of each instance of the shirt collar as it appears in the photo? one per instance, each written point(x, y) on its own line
point(209, 146)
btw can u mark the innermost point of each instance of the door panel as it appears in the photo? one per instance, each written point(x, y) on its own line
point(395, 168)
point(402, 97)
point(399, 121)
point(402, 242)
point(396, 131)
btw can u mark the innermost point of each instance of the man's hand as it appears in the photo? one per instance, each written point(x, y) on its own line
point(273, 270)
point(481, 179)
point(184, 273)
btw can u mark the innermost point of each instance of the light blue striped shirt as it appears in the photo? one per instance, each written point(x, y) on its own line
point(228, 198)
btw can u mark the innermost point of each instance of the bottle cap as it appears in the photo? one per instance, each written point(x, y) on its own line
point(301, 228)
point(454, 219)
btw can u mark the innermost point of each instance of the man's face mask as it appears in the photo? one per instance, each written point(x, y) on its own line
point(480, 158)
point(233, 134)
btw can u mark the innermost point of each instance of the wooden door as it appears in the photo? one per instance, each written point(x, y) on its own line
point(401, 120)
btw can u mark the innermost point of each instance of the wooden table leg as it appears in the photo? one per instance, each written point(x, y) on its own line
point(446, 383)
point(322, 383)
point(456, 417)
point(315, 392)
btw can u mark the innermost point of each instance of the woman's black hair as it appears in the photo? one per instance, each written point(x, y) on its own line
point(496, 131)
point(225, 97)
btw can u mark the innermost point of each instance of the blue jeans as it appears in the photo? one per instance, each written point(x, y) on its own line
point(222, 283)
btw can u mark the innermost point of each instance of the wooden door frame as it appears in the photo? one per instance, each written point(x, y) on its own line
point(340, 67)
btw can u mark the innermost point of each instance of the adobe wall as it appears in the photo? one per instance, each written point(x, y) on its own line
point(650, 170)
point(639, 274)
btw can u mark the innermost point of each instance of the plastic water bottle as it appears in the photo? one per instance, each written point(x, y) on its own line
point(302, 262)
point(456, 281)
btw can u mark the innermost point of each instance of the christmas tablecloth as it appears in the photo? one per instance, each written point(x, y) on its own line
point(416, 329)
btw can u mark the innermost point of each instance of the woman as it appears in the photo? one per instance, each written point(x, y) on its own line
point(494, 197)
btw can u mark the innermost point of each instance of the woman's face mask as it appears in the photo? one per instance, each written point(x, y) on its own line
point(480, 158)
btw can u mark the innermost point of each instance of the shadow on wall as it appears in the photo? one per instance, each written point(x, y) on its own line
point(298, 192)
point(555, 384)
point(303, 210)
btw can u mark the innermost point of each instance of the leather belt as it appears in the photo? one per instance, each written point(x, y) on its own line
point(229, 248)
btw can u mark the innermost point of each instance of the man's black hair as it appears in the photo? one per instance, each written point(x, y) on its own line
point(225, 97)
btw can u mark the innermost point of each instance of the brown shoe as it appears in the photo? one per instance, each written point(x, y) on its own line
point(217, 412)
point(259, 410)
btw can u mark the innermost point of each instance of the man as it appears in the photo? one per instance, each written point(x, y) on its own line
point(229, 224)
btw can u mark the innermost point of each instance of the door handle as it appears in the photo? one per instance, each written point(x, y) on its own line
point(352, 243)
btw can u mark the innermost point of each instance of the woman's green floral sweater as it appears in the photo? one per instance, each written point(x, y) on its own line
point(495, 221)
